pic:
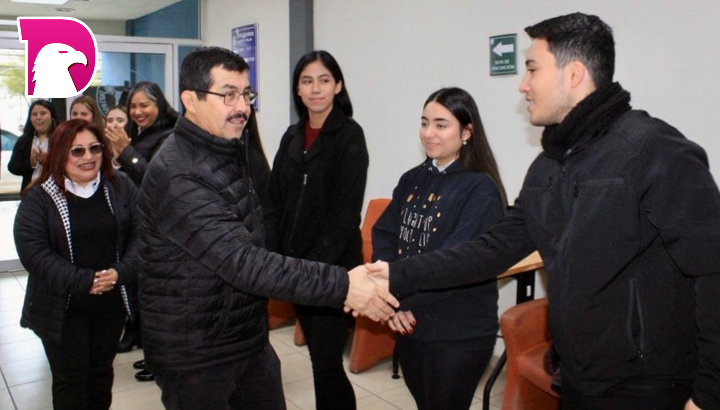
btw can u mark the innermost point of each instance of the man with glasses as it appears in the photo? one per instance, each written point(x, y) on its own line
point(206, 277)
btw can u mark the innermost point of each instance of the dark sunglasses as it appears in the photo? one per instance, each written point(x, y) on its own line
point(78, 151)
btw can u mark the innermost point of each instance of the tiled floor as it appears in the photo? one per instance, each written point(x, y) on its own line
point(25, 375)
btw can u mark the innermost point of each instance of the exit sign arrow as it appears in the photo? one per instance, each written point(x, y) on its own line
point(501, 49)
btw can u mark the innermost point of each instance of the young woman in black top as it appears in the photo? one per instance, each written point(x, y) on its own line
point(317, 185)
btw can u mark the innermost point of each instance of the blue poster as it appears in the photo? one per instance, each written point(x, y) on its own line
point(244, 42)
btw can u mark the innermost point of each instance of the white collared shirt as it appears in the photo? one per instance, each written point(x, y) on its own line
point(82, 191)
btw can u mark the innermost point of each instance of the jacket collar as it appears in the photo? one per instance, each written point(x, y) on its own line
point(456, 166)
point(333, 122)
point(186, 129)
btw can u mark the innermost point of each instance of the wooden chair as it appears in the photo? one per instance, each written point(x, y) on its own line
point(372, 341)
point(527, 337)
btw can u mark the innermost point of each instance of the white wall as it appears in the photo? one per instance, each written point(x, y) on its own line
point(219, 17)
point(394, 53)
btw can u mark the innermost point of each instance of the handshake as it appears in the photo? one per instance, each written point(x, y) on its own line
point(368, 293)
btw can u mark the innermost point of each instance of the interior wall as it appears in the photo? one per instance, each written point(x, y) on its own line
point(394, 56)
point(272, 16)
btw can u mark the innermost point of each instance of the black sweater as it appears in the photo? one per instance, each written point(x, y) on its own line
point(432, 210)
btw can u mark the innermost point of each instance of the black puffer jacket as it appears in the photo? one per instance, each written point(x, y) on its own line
point(627, 227)
point(135, 157)
point(42, 240)
point(206, 277)
point(317, 196)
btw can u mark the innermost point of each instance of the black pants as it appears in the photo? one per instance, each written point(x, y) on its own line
point(326, 333)
point(632, 395)
point(82, 364)
point(441, 375)
point(251, 384)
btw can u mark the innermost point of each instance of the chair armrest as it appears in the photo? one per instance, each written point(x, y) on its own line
point(525, 325)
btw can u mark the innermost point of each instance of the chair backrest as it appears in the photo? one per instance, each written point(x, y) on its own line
point(375, 208)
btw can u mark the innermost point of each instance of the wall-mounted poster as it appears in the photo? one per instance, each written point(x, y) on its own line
point(244, 42)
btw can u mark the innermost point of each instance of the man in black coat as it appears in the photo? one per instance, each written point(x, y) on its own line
point(625, 214)
point(206, 278)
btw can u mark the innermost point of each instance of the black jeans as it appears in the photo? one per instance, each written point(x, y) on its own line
point(441, 375)
point(326, 333)
point(253, 383)
point(632, 395)
point(82, 364)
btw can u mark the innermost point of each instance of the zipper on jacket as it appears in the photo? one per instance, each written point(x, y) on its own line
point(297, 212)
point(634, 301)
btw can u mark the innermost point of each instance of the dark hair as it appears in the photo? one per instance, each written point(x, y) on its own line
point(476, 154)
point(196, 67)
point(62, 140)
point(341, 100)
point(166, 113)
point(29, 129)
point(579, 37)
point(92, 106)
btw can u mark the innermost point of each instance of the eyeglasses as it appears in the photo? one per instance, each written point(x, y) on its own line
point(79, 151)
point(232, 97)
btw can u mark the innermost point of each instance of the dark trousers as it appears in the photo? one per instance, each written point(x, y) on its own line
point(326, 333)
point(82, 364)
point(253, 384)
point(632, 395)
point(441, 375)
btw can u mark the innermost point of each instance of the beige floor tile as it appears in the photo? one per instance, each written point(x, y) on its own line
point(281, 348)
point(12, 303)
point(10, 317)
point(18, 351)
point(5, 400)
point(32, 396)
point(145, 397)
point(291, 406)
point(296, 367)
point(498, 387)
point(286, 335)
point(300, 393)
point(15, 333)
point(26, 371)
point(129, 357)
point(376, 403)
point(10, 287)
point(22, 278)
point(399, 397)
point(377, 379)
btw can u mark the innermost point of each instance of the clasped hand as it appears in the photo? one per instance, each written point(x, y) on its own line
point(104, 281)
point(368, 293)
point(118, 139)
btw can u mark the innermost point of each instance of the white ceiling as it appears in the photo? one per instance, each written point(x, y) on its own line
point(86, 9)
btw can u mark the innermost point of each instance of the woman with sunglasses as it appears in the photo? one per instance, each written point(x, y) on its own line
point(133, 147)
point(317, 186)
point(75, 236)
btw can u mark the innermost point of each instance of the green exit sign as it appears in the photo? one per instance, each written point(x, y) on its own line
point(503, 54)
